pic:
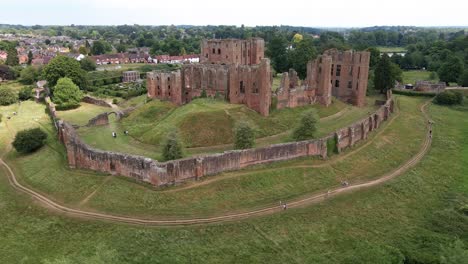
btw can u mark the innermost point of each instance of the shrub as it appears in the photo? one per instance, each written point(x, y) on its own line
point(25, 93)
point(331, 146)
point(203, 94)
point(244, 136)
point(172, 149)
point(115, 101)
point(306, 128)
point(29, 140)
point(449, 98)
point(7, 96)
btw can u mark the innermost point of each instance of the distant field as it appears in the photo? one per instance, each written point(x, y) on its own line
point(413, 76)
point(391, 49)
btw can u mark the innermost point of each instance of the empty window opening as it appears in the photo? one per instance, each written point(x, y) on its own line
point(338, 70)
point(157, 78)
point(359, 72)
point(219, 51)
point(337, 83)
point(357, 85)
point(168, 79)
point(351, 71)
point(169, 87)
point(350, 85)
point(320, 70)
point(332, 67)
point(169, 93)
point(206, 55)
point(241, 87)
point(214, 51)
point(254, 89)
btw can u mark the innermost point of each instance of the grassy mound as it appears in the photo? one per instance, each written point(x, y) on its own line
point(208, 122)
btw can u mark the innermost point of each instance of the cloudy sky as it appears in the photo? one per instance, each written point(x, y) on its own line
point(322, 13)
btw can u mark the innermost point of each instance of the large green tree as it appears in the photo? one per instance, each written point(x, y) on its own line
point(385, 74)
point(100, 47)
point(66, 93)
point(277, 52)
point(300, 55)
point(60, 67)
point(244, 136)
point(451, 70)
point(307, 126)
point(12, 57)
point(29, 75)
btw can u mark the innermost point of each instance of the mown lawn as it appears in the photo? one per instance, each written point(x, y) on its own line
point(414, 76)
point(81, 115)
point(415, 218)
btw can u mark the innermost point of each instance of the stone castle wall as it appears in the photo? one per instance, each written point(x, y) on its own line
point(82, 156)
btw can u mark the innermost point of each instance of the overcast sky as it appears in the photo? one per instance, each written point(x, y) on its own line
point(322, 13)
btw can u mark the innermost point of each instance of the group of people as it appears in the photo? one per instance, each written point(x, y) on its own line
point(114, 134)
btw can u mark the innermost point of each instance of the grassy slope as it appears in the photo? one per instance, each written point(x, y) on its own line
point(412, 216)
point(81, 115)
point(391, 49)
point(208, 123)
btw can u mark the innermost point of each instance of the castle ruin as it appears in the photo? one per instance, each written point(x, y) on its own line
point(237, 71)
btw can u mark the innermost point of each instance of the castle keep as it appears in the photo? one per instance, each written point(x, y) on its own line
point(237, 71)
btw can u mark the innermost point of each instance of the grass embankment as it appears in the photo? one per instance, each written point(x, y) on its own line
point(209, 123)
point(237, 191)
point(81, 115)
point(414, 218)
point(384, 49)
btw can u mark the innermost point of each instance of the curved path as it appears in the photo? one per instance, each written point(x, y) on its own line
point(228, 217)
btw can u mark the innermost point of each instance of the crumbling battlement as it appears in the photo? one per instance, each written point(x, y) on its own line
point(80, 155)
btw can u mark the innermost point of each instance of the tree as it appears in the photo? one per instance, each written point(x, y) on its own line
point(47, 41)
point(12, 57)
point(121, 48)
point(172, 149)
point(29, 75)
point(463, 80)
point(307, 126)
point(6, 73)
point(385, 74)
point(83, 50)
point(374, 56)
point(29, 140)
point(244, 136)
point(60, 67)
point(88, 64)
point(451, 70)
point(298, 58)
point(7, 96)
point(100, 47)
point(30, 57)
point(297, 38)
point(277, 52)
point(66, 93)
point(25, 93)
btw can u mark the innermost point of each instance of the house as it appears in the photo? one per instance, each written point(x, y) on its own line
point(191, 58)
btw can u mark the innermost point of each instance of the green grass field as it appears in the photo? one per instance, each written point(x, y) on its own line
point(416, 218)
point(81, 115)
point(414, 76)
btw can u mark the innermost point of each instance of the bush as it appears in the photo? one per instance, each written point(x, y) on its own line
point(6, 73)
point(29, 140)
point(172, 149)
point(244, 136)
point(449, 98)
point(306, 128)
point(331, 146)
point(7, 96)
point(67, 93)
point(25, 93)
point(66, 106)
point(115, 101)
point(203, 94)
